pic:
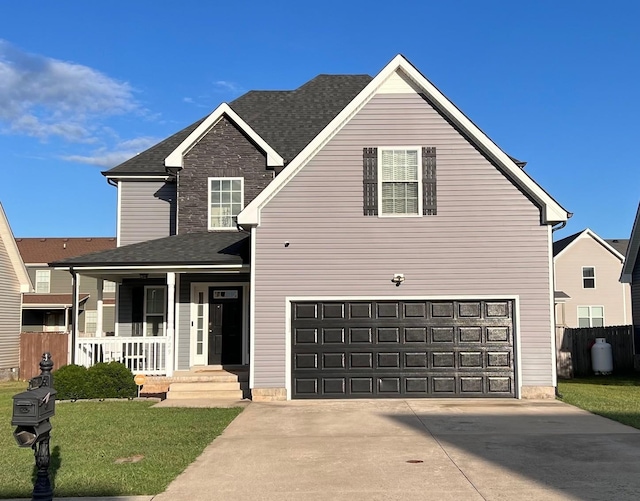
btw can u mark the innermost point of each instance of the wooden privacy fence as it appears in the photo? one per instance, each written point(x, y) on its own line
point(574, 349)
point(34, 344)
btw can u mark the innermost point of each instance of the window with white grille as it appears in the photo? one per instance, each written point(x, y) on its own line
point(400, 186)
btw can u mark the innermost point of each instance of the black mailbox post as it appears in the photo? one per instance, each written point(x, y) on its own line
point(31, 412)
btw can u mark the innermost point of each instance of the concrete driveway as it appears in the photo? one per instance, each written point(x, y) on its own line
point(415, 450)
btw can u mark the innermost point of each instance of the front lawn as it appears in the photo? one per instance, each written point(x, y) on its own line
point(614, 397)
point(109, 448)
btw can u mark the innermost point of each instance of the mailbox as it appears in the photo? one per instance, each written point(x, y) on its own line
point(31, 412)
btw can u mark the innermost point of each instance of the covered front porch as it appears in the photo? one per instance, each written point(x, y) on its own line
point(182, 305)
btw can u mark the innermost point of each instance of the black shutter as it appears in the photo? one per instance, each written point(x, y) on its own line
point(370, 181)
point(429, 202)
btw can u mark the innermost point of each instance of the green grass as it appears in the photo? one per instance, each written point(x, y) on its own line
point(88, 437)
point(614, 397)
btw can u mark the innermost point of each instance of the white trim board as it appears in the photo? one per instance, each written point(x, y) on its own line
point(551, 211)
point(6, 236)
point(176, 157)
point(632, 250)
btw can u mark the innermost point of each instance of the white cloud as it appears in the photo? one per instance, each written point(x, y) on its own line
point(110, 157)
point(226, 86)
point(44, 97)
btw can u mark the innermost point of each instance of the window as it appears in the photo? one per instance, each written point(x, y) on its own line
point(588, 277)
point(90, 321)
point(108, 286)
point(43, 281)
point(399, 181)
point(400, 190)
point(154, 308)
point(226, 199)
point(590, 316)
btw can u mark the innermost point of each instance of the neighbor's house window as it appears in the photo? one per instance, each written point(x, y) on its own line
point(400, 185)
point(588, 277)
point(590, 316)
point(90, 321)
point(43, 281)
point(226, 199)
point(108, 286)
point(154, 311)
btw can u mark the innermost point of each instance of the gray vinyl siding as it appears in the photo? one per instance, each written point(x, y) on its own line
point(10, 300)
point(183, 331)
point(147, 211)
point(59, 280)
point(486, 239)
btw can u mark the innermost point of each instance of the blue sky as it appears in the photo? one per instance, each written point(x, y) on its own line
point(85, 85)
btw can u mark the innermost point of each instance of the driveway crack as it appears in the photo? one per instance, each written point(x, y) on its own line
point(444, 450)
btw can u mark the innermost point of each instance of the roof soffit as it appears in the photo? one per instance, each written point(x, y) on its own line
point(552, 212)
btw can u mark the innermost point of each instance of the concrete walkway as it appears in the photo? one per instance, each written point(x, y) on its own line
point(415, 450)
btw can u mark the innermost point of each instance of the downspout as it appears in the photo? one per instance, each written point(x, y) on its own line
point(557, 227)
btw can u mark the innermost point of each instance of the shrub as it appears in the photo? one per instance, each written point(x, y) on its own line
point(110, 380)
point(70, 382)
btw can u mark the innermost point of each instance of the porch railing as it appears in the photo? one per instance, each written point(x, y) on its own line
point(141, 355)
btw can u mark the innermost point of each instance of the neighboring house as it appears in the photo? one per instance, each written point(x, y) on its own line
point(631, 275)
point(48, 308)
point(14, 281)
point(356, 237)
point(587, 270)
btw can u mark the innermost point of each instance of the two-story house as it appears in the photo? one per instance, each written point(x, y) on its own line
point(587, 271)
point(356, 237)
point(14, 281)
point(48, 307)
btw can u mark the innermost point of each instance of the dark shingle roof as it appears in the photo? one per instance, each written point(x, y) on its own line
point(286, 120)
point(619, 244)
point(560, 245)
point(151, 161)
point(188, 249)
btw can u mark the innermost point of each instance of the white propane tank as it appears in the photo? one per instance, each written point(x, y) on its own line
point(601, 357)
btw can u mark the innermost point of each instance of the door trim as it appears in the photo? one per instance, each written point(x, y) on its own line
point(289, 300)
point(204, 286)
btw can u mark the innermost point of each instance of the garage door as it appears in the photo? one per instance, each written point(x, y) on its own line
point(385, 349)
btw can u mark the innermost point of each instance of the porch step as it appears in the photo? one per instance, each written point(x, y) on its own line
point(212, 383)
point(202, 395)
point(205, 386)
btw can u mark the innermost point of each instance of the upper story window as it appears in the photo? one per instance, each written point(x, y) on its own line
point(399, 186)
point(588, 277)
point(226, 200)
point(43, 281)
point(399, 181)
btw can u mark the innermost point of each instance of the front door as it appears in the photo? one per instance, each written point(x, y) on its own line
point(225, 326)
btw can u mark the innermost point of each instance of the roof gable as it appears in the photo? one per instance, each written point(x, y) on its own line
point(175, 158)
point(410, 80)
point(562, 246)
point(632, 250)
point(6, 237)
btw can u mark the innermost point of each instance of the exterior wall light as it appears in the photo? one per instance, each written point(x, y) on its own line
point(397, 279)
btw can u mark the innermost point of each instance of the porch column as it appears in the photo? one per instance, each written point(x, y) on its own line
point(99, 313)
point(171, 300)
point(74, 316)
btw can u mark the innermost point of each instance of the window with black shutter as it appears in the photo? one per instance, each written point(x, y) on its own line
point(399, 181)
